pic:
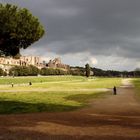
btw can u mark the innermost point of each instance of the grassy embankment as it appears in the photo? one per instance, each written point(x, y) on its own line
point(50, 94)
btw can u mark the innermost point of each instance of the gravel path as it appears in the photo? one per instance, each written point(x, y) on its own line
point(116, 117)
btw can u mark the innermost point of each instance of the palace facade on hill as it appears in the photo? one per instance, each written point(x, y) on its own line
point(8, 62)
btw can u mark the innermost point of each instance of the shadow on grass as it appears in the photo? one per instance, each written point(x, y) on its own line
point(74, 119)
point(11, 107)
point(16, 107)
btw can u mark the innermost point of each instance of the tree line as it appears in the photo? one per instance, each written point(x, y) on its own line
point(89, 71)
point(75, 71)
point(34, 71)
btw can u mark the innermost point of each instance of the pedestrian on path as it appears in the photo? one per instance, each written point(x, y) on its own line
point(114, 90)
point(30, 83)
point(12, 84)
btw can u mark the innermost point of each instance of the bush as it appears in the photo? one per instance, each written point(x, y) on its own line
point(33, 71)
point(51, 71)
point(19, 71)
point(24, 71)
point(2, 73)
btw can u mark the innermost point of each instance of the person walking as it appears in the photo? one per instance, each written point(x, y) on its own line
point(12, 84)
point(114, 90)
point(30, 83)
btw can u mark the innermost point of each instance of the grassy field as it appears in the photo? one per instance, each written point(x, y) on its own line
point(35, 79)
point(51, 94)
point(136, 82)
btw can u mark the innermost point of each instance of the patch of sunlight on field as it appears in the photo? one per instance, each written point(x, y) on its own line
point(75, 83)
point(35, 79)
point(67, 85)
point(64, 93)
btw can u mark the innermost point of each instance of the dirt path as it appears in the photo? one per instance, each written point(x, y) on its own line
point(116, 117)
point(43, 90)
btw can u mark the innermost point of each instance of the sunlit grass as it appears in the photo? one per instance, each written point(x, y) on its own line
point(71, 83)
point(136, 82)
point(37, 79)
point(62, 93)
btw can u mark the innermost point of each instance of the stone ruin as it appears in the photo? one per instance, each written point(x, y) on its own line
point(56, 63)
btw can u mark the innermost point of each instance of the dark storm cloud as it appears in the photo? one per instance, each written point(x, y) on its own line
point(100, 27)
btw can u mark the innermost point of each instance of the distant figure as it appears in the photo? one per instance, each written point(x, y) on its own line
point(12, 84)
point(114, 90)
point(30, 83)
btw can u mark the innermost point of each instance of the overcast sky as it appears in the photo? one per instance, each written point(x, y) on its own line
point(104, 33)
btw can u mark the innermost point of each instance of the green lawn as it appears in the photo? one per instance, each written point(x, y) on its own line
point(51, 94)
point(35, 79)
point(136, 82)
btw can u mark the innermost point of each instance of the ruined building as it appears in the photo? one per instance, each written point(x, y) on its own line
point(7, 62)
point(56, 63)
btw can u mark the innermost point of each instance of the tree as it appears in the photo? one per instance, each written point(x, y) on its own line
point(19, 71)
point(33, 70)
point(51, 71)
point(1, 72)
point(87, 68)
point(137, 72)
point(18, 29)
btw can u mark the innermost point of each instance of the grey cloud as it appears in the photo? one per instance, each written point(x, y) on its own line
point(99, 27)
